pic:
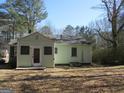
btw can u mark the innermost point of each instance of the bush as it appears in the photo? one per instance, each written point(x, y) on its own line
point(109, 56)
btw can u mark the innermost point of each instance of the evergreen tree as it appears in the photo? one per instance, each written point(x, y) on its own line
point(25, 13)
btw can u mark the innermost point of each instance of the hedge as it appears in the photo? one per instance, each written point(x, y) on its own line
point(109, 56)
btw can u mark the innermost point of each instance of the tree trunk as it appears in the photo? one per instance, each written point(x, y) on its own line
point(114, 26)
point(114, 33)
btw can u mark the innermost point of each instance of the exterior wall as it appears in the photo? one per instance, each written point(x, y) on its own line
point(87, 54)
point(63, 56)
point(35, 40)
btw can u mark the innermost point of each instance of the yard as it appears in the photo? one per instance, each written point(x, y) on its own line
point(64, 80)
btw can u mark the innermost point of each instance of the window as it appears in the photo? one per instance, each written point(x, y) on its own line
point(24, 50)
point(74, 52)
point(56, 50)
point(48, 50)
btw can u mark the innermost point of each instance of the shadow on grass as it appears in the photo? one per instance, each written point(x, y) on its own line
point(27, 88)
point(113, 82)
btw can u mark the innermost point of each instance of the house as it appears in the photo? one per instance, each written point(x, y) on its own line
point(36, 50)
point(67, 51)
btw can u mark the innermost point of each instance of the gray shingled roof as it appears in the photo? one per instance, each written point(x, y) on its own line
point(73, 41)
point(68, 41)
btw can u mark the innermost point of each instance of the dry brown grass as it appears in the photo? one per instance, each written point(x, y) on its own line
point(60, 80)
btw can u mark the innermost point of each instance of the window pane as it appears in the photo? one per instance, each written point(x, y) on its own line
point(24, 50)
point(48, 50)
point(36, 55)
point(74, 52)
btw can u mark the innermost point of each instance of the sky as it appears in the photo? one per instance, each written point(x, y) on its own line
point(70, 12)
point(1, 1)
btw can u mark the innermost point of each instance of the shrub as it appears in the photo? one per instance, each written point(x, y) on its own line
point(109, 56)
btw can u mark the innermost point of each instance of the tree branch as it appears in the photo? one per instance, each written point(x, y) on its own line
point(106, 39)
point(98, 31)
point(118, 9)
point(108, 10)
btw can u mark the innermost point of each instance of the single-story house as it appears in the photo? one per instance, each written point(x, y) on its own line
point(36, 50)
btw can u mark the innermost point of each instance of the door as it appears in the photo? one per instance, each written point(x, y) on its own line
point(36, 57)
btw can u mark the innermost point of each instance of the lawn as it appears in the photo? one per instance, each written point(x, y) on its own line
point(64, 80)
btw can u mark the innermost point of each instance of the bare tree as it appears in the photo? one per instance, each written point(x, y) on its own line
point(47, 31)
point(113, 9)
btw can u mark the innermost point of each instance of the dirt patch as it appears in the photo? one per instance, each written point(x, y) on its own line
point(59, 80)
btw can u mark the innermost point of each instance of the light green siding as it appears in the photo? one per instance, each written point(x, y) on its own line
point(87, 54)
point(24, 61)
point(64, 53)
point(35, 40)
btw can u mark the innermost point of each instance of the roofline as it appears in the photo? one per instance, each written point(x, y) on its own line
point(64, 43)
point(34, 33)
